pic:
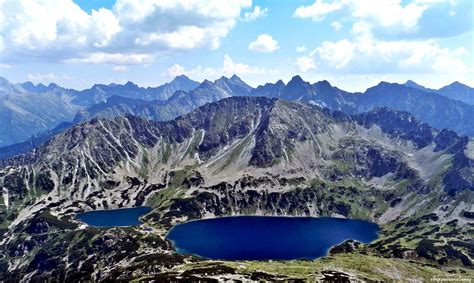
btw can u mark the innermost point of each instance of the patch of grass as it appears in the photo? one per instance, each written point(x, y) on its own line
point(143, 172)
point(165, 152)
point(360, 266)
point(193, 145)
point(163, 198)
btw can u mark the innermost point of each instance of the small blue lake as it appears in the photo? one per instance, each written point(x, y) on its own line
point(114, 217)
point(263, 238)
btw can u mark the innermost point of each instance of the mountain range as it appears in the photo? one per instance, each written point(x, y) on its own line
point(33, 113)
point(456, 91)
point(237, 156)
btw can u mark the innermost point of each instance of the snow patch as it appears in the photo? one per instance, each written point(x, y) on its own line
point(5, 197)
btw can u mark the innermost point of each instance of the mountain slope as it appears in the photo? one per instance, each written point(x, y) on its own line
point(99, 93)
point(28, 111)
point(458, 91)
point(24, 113)
point(241, 155)
point(432, 108)
point(179, 103)
point(455, 91)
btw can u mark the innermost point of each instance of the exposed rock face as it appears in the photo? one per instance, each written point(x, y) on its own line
point(346, 247)
point(241, 155)
point(399, 125)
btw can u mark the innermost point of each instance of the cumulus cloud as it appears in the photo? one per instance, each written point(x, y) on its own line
point(47, 78)
point(319, 9)
point(175, 70)
point(119, 68)
point(264, 43)
point(113, 58)
point(386, 37)
point(54, 25)
point(255, 14)
point(305, 63)
point(382, 57)
point(56, 30)
point(229, 67)
point(336, 25)
point(387, 13)
point(301, 48)
point(396, 18)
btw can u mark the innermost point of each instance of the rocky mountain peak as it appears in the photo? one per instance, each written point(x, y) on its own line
point(182, 77)
point(457, 84)
point(233, 86)
point(296, 80)
point(131, 84)
point(184, 81)
point(297, 90)
point(206, 83)
point(323, 84)
point(235, 78)
point(415, 85)
point(6, 85)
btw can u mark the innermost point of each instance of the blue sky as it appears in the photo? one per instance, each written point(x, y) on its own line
point(352, 43)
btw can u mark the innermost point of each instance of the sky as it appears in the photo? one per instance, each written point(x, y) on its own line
point(354, 44)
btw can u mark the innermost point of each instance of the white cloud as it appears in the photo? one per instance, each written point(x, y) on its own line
point(384, 13)
point(54, 24)
point(264, 43)
point(305, 63)
point(175, 70)
point(371, 56)
point(319, 9)
point(113, 58)
point(336, 25)
point(301, 48)
point(47, 78)
point(388, 13)
point(58, 30)
point(388, 37)
point(119, 68)
point(255, 14)
point(229, 67)
point(337, 54)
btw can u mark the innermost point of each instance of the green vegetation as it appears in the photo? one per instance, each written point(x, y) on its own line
point(165, 152)
point(193, 145)
point(143, 170)
point(358, 266)
point(163, 198)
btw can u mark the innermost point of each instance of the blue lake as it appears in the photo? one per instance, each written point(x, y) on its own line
point(263, 238)
point(114, 217)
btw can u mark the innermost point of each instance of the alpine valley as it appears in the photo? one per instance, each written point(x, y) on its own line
point(399, 155)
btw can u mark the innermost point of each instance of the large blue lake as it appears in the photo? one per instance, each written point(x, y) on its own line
point(114, 217)
point(261, 238)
